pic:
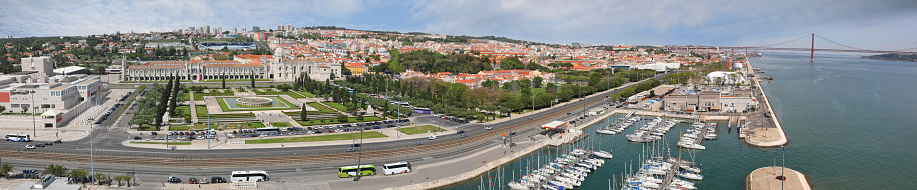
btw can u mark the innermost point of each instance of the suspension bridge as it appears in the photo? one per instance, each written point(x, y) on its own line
point(803, 44)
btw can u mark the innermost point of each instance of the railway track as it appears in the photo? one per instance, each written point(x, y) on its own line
point(465, 144)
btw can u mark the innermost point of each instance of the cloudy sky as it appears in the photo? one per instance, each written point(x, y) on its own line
point(884, 25)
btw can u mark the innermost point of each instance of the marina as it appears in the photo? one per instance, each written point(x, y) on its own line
point(727, 162)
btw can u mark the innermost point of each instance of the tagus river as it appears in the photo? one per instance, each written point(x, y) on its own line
point(851, 124)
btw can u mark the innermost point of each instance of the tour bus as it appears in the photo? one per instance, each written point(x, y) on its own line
point(274, 130)
point(351, 171)
point(396, 168)
point(18, 138)
point(253, 175)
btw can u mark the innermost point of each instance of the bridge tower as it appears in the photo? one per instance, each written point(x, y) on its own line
point(812, 58)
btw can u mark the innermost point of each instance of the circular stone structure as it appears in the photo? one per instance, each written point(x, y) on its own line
point(254, 101)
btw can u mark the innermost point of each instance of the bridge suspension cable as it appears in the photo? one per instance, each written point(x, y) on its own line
point(851, 47)
point(786, 42)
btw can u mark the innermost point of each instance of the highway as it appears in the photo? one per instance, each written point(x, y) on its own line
point(108, 143)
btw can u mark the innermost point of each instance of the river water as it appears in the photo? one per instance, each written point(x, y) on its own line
point(850, 123)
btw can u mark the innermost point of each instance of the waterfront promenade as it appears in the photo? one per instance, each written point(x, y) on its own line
point(763, 136)
point(766, 178)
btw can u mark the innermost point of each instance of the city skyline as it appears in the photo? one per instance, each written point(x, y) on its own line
point(856, 23)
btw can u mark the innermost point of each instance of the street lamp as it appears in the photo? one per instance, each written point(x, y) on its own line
point(91, 158)
point(34, 133)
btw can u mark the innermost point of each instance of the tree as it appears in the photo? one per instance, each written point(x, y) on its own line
point(510, 63)
point(127, 178)
point(342, 118)
point(5, 169)
point(303, 115)
point(187, 119)
point(79, 174)
point(176, 88)
point(360, 117)
point(537, 81)
point(223, 76)
point(98, 177)
point(253, 79)
point(2, 108)
point(652, 93)
point(25, 109)
point(119, 178)
point(56, 170)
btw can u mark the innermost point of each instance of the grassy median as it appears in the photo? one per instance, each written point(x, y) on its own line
point(170, 143)
point(419, 129)
point(336, 137)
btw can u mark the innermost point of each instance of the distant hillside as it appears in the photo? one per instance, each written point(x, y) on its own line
point(893, 57)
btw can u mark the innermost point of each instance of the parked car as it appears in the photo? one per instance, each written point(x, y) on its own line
point(193, 181)
point(29, 146)
point(154, 133)
point(137, 138)
point(377, 127)
point(174, 180)
point(216, 179)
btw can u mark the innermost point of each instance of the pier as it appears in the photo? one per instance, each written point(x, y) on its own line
point(774, 137)
point(766, 178)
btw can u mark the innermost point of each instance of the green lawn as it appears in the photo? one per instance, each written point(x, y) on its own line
point(183, 96)
point(200, 96)
point(335, 137)
point(307, 94)
point(281, 124)
point(201, 110)
point(225, 107)
point(170, 143)
point(147, 127)
point(335, 121)
point(182, 111)
point(336, 106)
point(292, 94)
point(321, 108)
point(234, 80)
point(203, 126)
point(419, 129)
point(538, 91)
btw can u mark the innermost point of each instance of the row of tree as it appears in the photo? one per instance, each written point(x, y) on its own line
point(156, 102)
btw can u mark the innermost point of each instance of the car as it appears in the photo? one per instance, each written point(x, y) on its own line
point(418, 143)
point(377, 127)
point(40, 145)
point(170, 138)
point(216, 179)
point(350, 150)
point(355, 145)
point(199, 137)
point(568, 113)
point(318, 132)
point(137, 138)
point(182, 138)
point(57, 141)
point(49, 143)
point(463, 136)
point(160, 138)
point(193, 181)
point(767, 115)
point(329, 131)
point(29, 146)
point(488, 128)
point(174, 180)
point(459, 132)
point(154, 133)
point(432, 137)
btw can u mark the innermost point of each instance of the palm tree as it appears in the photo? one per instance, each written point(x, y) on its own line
point(5, 169)
point(56, 170)
point(119, 178)
point(79, 174)
point(98, 176)
point(127, 178)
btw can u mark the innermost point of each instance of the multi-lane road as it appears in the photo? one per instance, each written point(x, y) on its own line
point(109, 142)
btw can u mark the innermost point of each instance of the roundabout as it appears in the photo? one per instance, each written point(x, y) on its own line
point(254, 102)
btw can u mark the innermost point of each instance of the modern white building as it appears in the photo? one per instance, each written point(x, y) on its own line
point(725, 77)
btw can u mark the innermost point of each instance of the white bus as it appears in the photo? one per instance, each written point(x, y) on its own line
point(18, 138)
point(253, 175)
point(396, 168)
